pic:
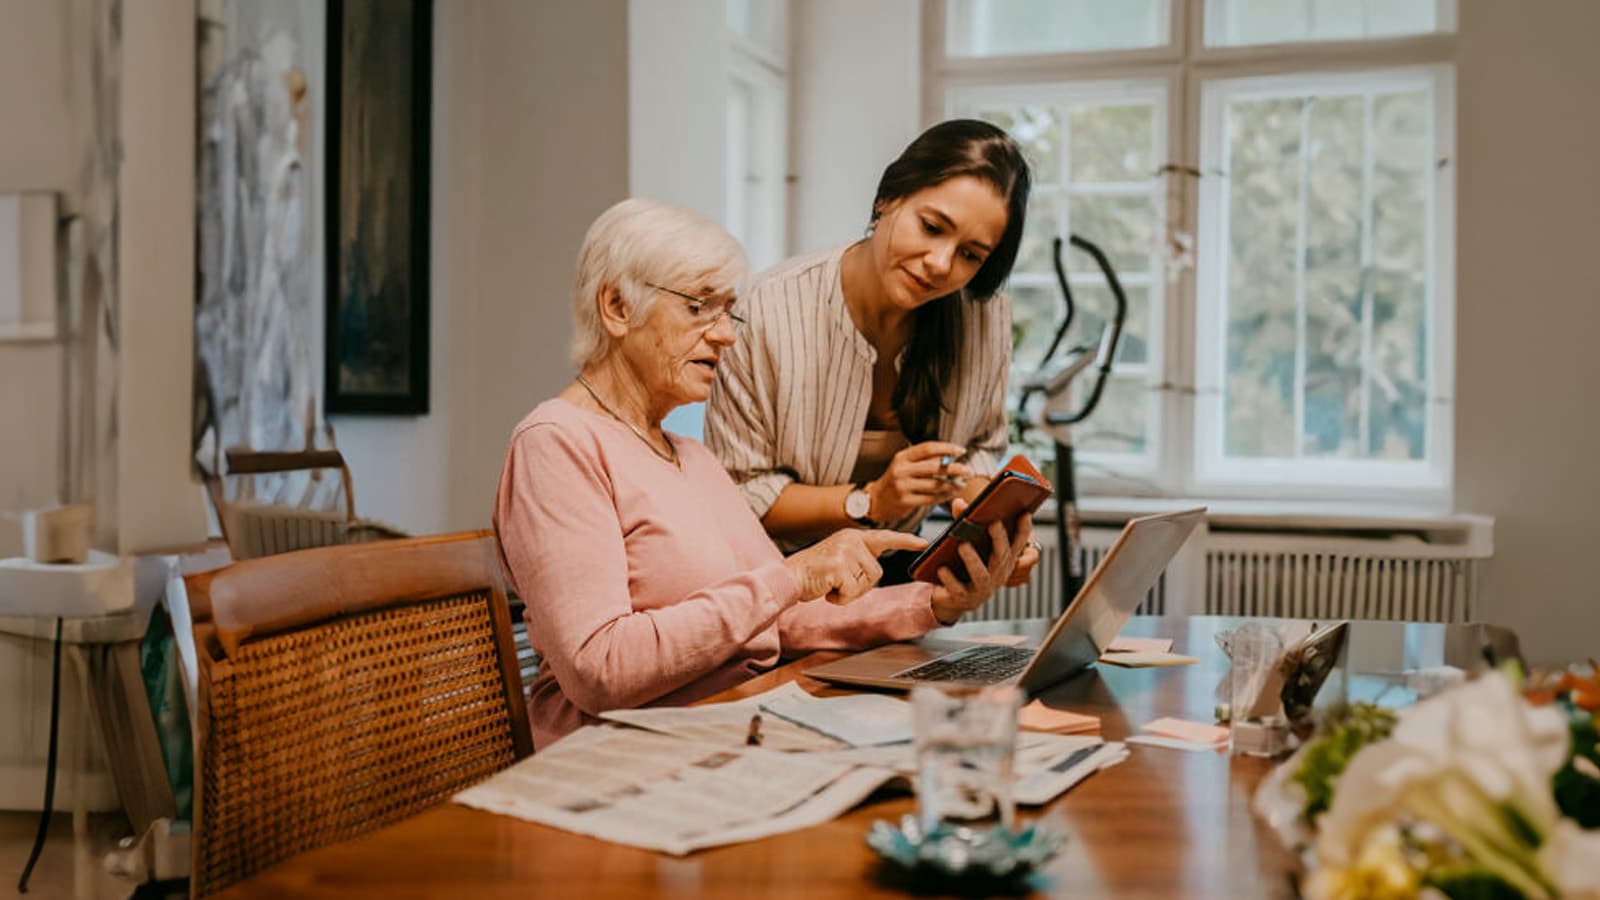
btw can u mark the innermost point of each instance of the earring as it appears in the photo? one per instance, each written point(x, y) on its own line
point(871, 227)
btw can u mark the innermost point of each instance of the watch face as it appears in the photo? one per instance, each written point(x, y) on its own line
point(857, 504)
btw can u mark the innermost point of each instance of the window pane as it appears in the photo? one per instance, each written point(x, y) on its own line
point(1124, 227)
point(1014, 27)
point(1040, 231)
point(1235, 22)
point(1333, 363)
point(1398, 388)
point(1095, 307)
point(1400, 137)
point(1121, 421)
point(739, 15)
point(1036, 311)
point(1035, 314)
point(1113, 143)
point(1325, 296)
point(1263, 203)
point(1037, 130)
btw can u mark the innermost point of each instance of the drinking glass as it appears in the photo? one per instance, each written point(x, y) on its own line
point(966, 742)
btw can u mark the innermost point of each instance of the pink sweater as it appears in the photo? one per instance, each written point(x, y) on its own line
point(646, 585)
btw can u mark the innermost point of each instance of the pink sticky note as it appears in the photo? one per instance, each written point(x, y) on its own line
point(1185, 730)
point(1004, 640)
point(1038, 717)
point(1139, 645)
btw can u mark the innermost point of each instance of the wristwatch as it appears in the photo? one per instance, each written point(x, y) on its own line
point(857, 505)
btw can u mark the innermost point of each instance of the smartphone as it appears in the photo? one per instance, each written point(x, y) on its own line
point(1017, 489)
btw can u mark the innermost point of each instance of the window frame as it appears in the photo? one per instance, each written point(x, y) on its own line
point(1190, 65)
point(1159, 90)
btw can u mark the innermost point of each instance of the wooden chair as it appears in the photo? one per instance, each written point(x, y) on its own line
point(254, 529)
point(344, 688)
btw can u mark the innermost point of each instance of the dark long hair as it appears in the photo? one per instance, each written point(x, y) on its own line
point(949, 150)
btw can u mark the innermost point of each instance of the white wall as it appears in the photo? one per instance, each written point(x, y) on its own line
point(36, 153)
point(1528, 313)
point(530, 144)
point(677, 103)
point(855, 103)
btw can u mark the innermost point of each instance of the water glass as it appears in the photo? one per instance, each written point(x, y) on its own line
point(966, 743)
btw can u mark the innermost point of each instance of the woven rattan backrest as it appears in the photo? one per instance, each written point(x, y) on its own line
point(334, 718)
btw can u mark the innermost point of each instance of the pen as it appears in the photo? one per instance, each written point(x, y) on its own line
point(946, 460)
point(752, 738)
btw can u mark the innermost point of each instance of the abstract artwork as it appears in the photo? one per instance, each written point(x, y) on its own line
point(379, 86)
point(257, 380)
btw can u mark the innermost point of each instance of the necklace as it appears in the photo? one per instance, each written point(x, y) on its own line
point(669, 457)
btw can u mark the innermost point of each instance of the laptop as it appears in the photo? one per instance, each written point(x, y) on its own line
point(1108, 597)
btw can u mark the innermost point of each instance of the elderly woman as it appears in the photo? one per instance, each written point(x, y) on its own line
point(648, 579)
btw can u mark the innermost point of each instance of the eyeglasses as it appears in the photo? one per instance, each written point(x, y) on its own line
point(704, 311)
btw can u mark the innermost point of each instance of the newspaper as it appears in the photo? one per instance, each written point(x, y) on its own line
point(1045, 765)
point(728, 724)
point(683, 778)
point(665, 793)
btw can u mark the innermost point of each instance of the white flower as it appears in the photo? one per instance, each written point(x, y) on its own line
point(1379, 871)
point(1571, 858)
point(1476, 762)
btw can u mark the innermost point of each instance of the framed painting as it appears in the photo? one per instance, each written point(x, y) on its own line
point(380, 78)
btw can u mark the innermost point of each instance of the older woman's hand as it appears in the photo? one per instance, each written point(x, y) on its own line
point(954, 598)
point(844, 565)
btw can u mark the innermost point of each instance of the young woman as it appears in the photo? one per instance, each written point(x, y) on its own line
point(869, 383)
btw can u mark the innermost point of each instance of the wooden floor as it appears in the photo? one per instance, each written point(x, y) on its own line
point(53, 875)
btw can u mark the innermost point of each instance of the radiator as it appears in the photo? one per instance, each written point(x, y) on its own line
point(1289, 574)
point(1041, 596)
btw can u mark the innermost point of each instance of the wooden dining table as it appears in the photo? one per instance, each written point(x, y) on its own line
point(1163, 823)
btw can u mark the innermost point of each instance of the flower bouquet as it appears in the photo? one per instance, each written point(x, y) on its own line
point(1477, 792)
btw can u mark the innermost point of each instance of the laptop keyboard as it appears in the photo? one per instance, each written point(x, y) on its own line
point(978, 665)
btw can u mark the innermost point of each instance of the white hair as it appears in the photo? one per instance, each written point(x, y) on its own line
point(638, 241)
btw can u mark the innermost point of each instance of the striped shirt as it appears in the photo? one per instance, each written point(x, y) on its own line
point(790, 400)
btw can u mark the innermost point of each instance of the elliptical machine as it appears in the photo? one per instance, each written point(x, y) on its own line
point(1056, 417)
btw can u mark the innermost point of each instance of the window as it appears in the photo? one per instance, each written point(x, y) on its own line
point(755, 142)
point(1271, 180)
point(757, 109)
point(1093, 148)
point(757, 127)
point(27, 266)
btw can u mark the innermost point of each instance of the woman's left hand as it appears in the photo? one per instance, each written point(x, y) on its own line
point(954, 598)
point(1025, 562)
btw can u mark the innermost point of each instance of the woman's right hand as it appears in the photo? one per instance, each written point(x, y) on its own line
point(914, 480)
point(844, 565)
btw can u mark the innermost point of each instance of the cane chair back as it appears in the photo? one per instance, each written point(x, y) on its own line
point(345, 688)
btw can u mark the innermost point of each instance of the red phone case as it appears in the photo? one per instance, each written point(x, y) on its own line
point(1003, 500)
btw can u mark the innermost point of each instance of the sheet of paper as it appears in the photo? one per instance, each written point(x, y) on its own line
point(1038, 717)
point(728, 724)
point(1139, 645)
point(664, 793)
point(1050, 781)
point(1186, 730)
point(1035, 750)
point(860, 720)
point(1146, 659)
point(1151, 740)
